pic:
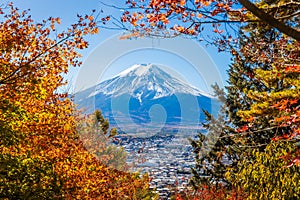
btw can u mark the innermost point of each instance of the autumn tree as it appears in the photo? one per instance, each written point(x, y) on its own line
point(42, 156)
point(34, 118)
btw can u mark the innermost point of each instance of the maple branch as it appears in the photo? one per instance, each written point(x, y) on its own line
point(224, 21)
point(271, 20)
point(11, 77)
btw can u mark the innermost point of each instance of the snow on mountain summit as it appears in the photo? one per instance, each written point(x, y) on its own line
point(138, 69)
point(145, 81)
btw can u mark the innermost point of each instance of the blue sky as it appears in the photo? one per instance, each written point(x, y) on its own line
point(195, 63)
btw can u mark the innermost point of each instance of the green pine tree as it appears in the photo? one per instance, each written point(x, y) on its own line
point(97, 137)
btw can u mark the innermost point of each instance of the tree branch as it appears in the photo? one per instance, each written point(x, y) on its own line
point(271, 20)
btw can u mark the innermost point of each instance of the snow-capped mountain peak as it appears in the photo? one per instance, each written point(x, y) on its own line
point(137, 69)
point(145, 81)
point(126, 71)
point(145, 96)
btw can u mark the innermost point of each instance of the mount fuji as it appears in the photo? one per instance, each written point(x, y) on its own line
point(145, 97)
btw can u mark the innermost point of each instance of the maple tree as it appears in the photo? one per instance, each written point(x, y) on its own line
point(158, 17)
point(42, 156)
